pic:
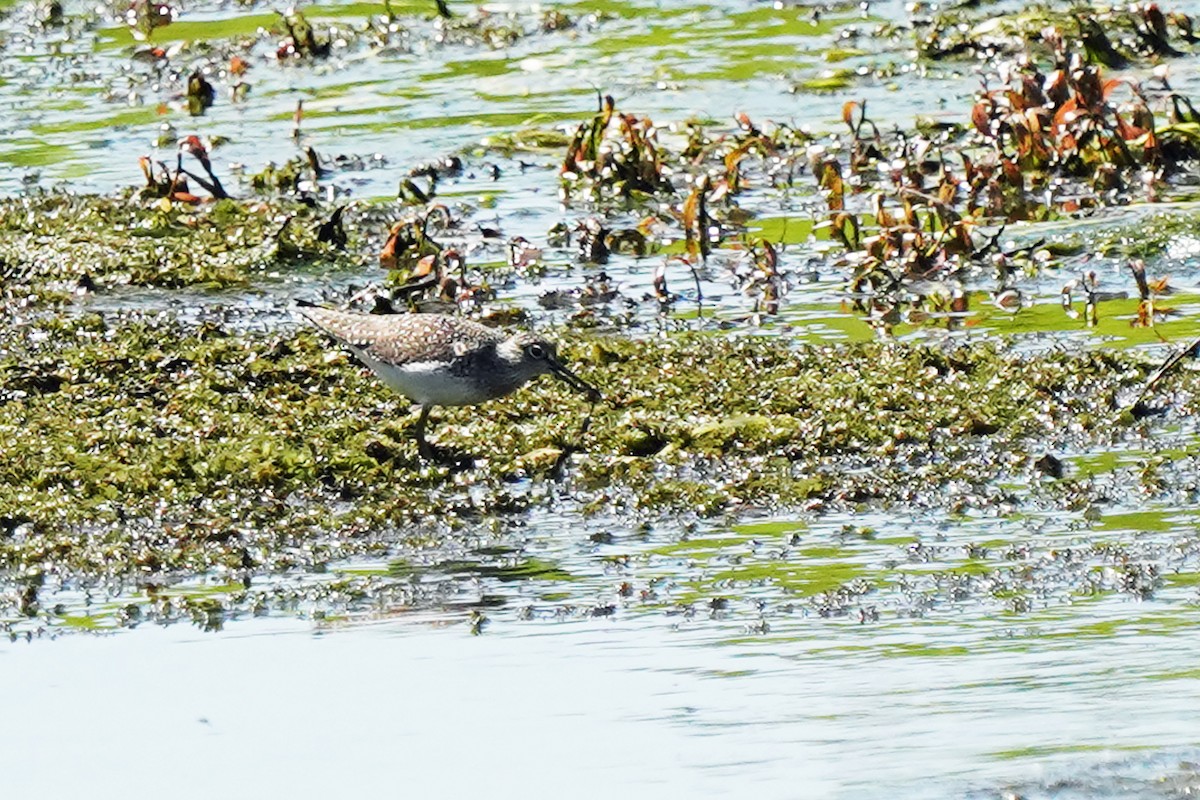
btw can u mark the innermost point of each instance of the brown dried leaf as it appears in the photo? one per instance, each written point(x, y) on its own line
point(848, 114)
point(981, 118)
point(831, 181)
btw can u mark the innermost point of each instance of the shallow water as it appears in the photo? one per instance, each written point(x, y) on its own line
point(413, 98)
point(86, 101)
point(599, 706)
point(711, 661)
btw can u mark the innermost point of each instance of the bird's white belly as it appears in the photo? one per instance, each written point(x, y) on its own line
point(427, 383)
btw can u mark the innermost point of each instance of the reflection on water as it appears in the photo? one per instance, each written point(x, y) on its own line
point(706, 672)
point(590, 707)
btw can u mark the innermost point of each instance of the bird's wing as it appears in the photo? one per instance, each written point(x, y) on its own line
point(401, 338)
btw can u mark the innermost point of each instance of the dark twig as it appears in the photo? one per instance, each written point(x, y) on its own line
point(571, 448)
point(1191, 351)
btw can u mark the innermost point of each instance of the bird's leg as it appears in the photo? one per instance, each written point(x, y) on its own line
point(423, 447)
point(437, 455)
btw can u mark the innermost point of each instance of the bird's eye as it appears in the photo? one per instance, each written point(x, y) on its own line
point(536, 350)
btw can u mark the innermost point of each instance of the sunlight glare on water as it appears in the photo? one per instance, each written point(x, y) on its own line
point(600, 706)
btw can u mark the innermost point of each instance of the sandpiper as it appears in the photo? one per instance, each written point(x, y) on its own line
point(441, 360)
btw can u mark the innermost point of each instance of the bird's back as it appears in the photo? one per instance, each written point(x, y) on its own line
point(403, 339)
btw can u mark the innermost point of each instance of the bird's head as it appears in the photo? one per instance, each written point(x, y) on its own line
point(531, 355)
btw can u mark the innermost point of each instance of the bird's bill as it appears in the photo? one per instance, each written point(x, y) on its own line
point(574, 381)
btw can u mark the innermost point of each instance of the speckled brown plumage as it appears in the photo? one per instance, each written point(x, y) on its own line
point(405, 338)
point(435, 359)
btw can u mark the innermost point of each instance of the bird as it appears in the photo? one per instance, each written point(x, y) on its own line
point(443, 360)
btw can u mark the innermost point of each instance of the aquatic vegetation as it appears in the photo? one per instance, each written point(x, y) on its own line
point(145, 450)
point(920, 214)
point(69, 242)
point(887, 400)
point(1111, 36)
point(616, 152)
point(137, 445)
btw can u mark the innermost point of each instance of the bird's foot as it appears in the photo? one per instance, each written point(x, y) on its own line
point(455, 460)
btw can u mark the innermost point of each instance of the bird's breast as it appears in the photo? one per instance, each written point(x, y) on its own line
point(434, 382)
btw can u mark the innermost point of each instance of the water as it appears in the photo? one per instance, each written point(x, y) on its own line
point(926, 685)
point(86, 100)
point(412, 98)
point(594, 706)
